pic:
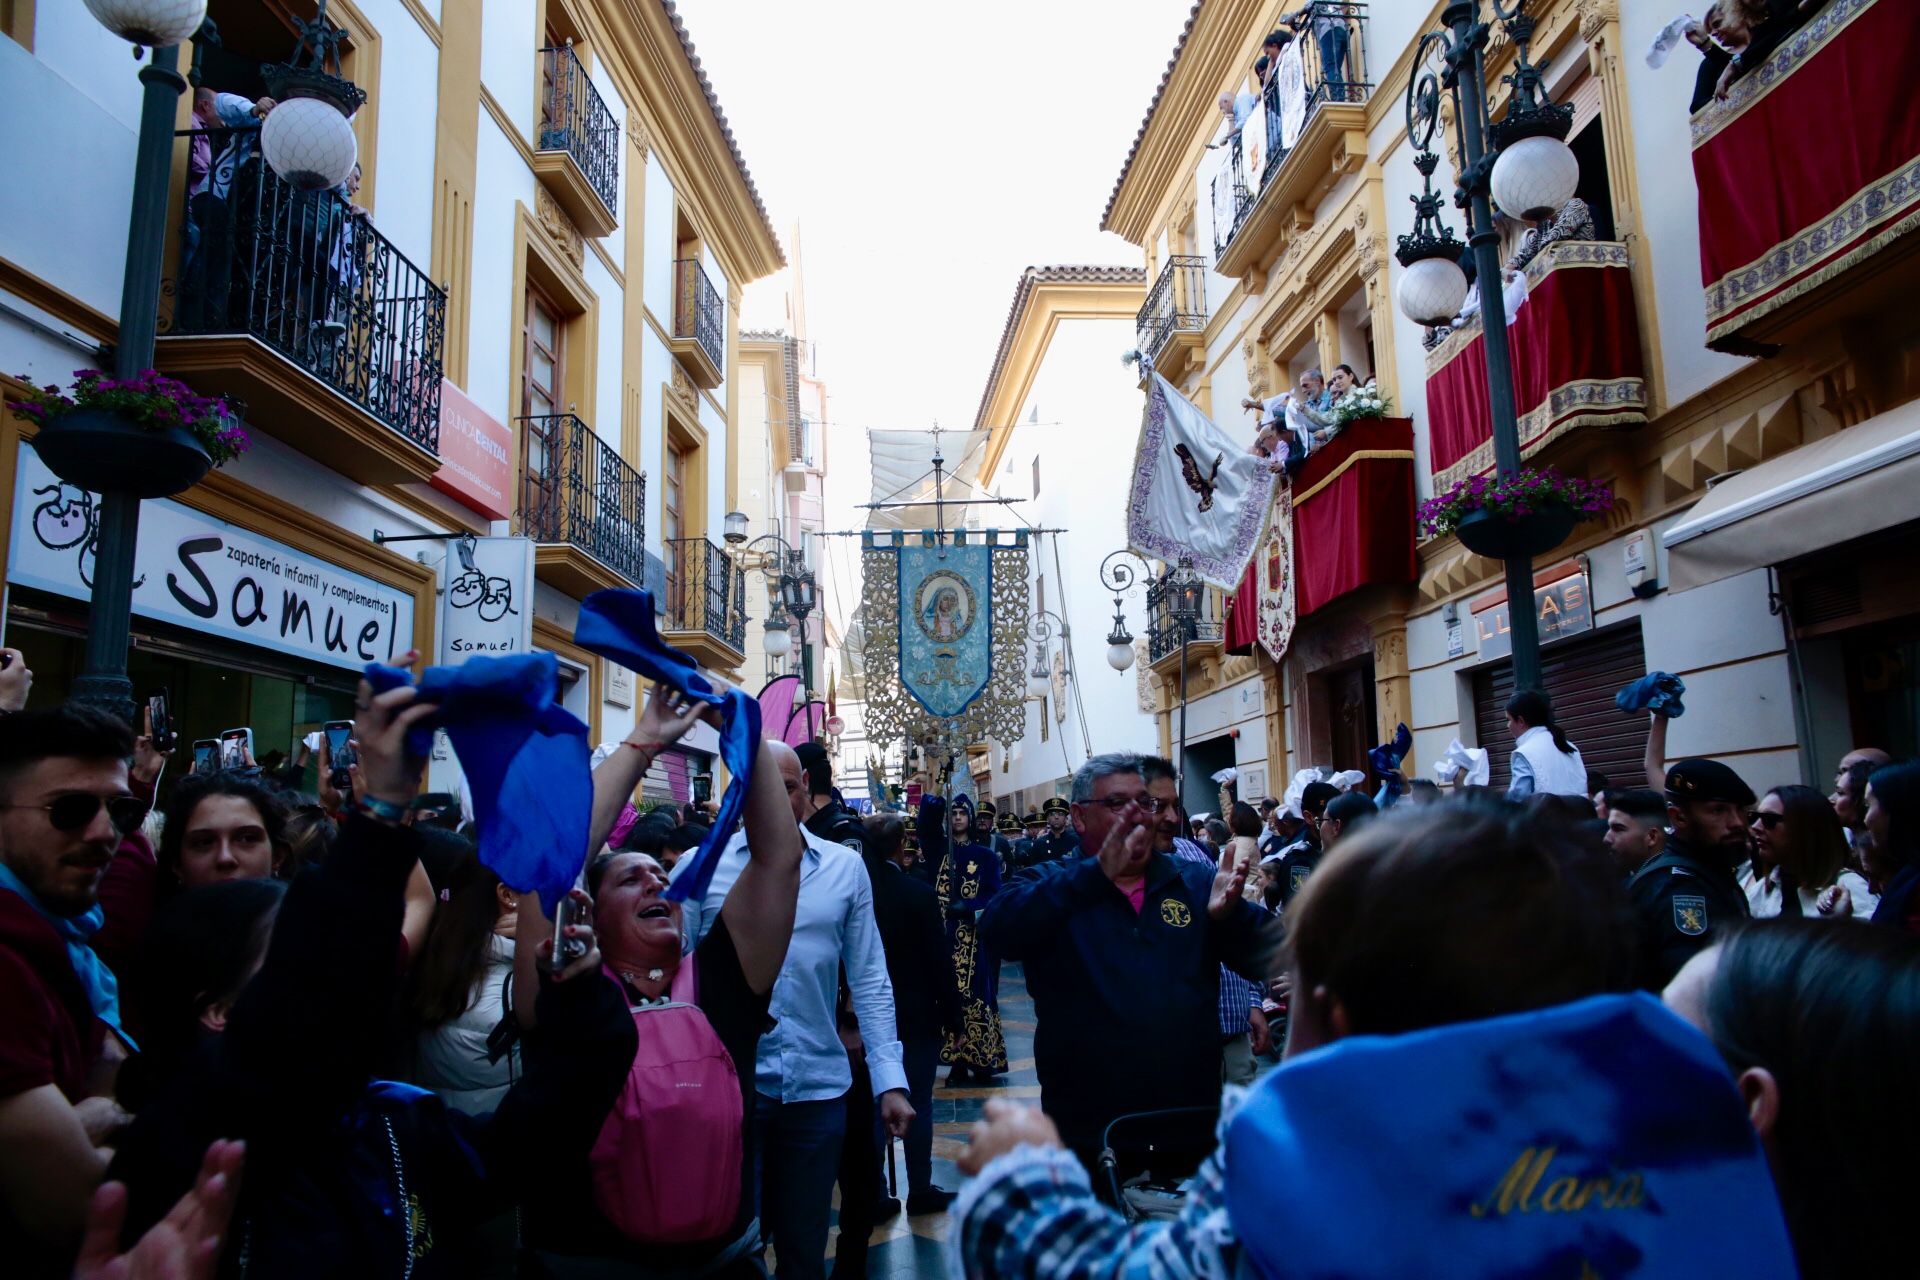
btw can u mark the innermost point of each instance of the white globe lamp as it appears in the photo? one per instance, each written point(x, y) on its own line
point(1535, 176)
point(1119, 656)
point(777, 641)
point(309, 144)
point(153, 24)
point(1431, 291)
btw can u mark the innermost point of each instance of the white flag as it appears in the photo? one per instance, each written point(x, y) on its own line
point(1196, 492)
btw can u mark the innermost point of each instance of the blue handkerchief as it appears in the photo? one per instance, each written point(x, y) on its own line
point(618, 625)
point(525, 757)
point(1657, 691)
point(1386, 757)
point(1598, 1138)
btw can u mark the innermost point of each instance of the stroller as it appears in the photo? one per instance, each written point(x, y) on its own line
point(1147, 1157)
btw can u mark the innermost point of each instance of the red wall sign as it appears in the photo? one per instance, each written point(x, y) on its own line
point(476, 455)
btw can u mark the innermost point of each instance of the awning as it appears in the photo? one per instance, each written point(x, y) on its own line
point(1853, 483)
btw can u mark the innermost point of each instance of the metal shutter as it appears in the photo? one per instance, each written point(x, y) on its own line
point(1581, 676)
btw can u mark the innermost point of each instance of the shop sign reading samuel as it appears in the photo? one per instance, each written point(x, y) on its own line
point(208, 575)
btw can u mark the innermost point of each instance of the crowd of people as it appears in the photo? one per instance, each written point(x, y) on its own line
point(283, 1034)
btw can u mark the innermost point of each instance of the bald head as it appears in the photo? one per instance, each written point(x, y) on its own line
point(1872, 757)
point(793, 776)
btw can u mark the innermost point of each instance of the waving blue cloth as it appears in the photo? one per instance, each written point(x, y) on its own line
point(525, 757)
point(1599, 1138)
point(1386, 757)
point(102, 988)
point(618, 625)
point(1657, 691)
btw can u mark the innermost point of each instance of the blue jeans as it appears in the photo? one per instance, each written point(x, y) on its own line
point(796, 1161)
point(1333, 60)
point(922, 1061)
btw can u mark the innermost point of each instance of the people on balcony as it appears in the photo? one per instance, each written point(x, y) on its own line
point(1733, 38)
point(1330, 32)
point(1574, 221)
point(213, 164)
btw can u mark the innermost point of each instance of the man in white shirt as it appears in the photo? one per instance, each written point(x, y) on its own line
point(803, 1074)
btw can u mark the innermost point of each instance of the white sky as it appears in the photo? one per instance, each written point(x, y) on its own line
point(928, 154)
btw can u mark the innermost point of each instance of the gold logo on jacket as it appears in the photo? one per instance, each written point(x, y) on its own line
point(1175, 913)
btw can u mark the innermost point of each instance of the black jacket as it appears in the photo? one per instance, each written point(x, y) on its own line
point(839, 824)
point(328, 1145)
point(1681, 900)
point(1128, 1005)
point(926, 998)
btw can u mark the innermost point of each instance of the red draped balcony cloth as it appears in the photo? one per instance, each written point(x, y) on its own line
point(1811, 165)
point(1353, 513)
point(1576, 361)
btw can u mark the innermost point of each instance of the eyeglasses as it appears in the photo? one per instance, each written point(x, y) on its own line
point(1114, 804)
point(76, 811)
point(1766, 820)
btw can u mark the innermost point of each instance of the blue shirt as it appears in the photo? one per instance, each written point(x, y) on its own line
point(802, 1059)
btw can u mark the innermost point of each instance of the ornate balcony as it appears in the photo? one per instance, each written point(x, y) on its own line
point(1308, 130)
point(1163, 627)
point(293, 302)
point(1804, 225)
point(1576, 361)
point(579, 153)
point(705, 604)
point(1353, 514)
point(699, 324)
point(1170, 327)
point(583, 506)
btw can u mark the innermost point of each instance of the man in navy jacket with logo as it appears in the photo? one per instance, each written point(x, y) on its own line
point(1122, 953)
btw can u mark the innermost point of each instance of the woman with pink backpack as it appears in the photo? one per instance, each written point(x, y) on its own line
point(667, 1191)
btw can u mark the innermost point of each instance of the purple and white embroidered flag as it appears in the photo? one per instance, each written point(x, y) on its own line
point(1196, 491)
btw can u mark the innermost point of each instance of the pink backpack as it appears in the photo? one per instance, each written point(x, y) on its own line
point(666, 1167)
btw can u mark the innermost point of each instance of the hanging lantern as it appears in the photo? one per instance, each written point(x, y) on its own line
point(1431, 291)
point(1119, 640)
point(308, 138)
point(734, 528)
point(777, 641)
point(153, 24)
point(1535, 176)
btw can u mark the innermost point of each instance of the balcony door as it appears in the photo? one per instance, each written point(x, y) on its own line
point(673, 504)
point(542, 375)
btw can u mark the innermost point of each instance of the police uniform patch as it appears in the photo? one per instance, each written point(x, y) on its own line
point(1175, 913)
point(1690, 914)
point(1296, 877)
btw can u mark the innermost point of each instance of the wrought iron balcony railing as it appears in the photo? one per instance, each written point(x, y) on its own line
point(705, 592)
point(306, 273)
point(1177, 304)
point(1164, 626)
point(1231, 195)
point(575, 119)
point(579, 490)
point(698, 311)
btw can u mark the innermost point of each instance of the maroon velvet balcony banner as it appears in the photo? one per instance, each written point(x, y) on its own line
point(1353, 513)
point(1576, 361)
point(1812, 164)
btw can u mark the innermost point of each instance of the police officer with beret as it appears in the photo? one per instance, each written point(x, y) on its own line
point(1059, 840)
point(1685, 895)
point(830, 819)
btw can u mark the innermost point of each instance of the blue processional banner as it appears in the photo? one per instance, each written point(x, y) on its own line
point(947, 617)
point(946, 624)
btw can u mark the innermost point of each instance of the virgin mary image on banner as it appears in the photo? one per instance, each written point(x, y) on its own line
point(968, 878)
point(945, 624)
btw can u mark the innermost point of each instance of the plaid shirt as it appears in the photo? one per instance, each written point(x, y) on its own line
point(1238, 997)
point(1031, 1215)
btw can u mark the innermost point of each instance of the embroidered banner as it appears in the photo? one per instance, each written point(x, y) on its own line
point(1274, 624)
point(946, 621)
point(1197, 493)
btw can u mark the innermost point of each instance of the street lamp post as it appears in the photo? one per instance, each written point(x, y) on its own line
point(792, 592)
point(312, 146)
point(1523, 161)
point(1183, 589)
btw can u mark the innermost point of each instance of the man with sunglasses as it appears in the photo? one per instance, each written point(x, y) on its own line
point(1123, 950)
point(64, 805)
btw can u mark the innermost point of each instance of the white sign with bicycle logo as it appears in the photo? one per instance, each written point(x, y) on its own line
point(486, 602)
